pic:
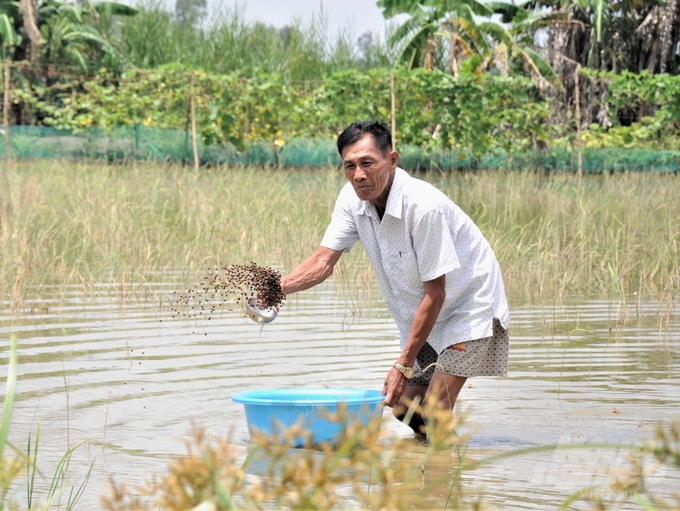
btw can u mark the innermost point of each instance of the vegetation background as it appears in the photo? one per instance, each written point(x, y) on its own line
point(472, 76)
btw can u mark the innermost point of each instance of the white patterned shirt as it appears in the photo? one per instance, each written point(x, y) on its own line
point(424, 235)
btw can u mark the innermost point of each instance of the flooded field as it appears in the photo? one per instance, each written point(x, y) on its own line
point(128, 381)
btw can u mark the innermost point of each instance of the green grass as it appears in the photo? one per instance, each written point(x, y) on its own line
point(65, 223)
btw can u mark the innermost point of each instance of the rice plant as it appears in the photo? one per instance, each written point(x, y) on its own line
point(65, 223)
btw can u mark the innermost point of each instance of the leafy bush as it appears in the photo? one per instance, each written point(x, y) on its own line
point(434, 109)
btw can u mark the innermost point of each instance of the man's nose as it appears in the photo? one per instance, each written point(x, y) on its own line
point(359, 174)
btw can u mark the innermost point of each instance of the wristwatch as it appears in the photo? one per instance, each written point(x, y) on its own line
point(406, 371)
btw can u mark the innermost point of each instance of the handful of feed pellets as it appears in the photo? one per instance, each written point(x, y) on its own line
point(231, 282)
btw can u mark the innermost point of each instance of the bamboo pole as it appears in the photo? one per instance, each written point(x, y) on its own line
point(5, 107)
point(193, 124)
point(393, 111)
point(579, 141)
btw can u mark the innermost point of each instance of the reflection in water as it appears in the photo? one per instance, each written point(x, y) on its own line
point(133, 378)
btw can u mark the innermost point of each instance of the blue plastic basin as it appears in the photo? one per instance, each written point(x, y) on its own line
point(273, 410)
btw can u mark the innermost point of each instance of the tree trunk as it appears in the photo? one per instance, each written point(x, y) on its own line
point(429, 54)
point(648, 47)
point(561, 43)
point(676, 42)
point(453, 60)
point(27, 8)
point(668, 16)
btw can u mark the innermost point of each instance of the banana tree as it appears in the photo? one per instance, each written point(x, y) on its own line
point(510, 46)
point(484, 43)
point(9, 12)
point(73, 34)
point(56, 32)
point(421, 38)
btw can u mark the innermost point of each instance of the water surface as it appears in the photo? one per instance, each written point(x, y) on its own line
point(128, 380)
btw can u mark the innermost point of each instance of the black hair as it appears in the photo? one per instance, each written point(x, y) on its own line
point(378, 130)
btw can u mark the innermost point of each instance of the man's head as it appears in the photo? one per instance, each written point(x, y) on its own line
point(368, 160)
point(378, 130)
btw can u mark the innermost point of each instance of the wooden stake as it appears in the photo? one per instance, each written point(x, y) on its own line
point(185, 157)
point(579, 142)
point(5, 107)
point(393, 110)
point(193, 124)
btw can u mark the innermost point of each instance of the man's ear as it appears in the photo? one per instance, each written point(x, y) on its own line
point(394, 159)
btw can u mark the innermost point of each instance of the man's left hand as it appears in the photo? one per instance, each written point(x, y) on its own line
point(394, 387)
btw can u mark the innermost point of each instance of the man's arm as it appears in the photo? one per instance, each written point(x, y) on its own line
point(426, 315)
point(311, 271)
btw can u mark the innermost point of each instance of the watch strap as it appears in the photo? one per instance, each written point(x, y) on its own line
point(406, 371)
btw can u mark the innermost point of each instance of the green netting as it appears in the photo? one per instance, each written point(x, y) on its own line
point(142, 143)
point(556, 159)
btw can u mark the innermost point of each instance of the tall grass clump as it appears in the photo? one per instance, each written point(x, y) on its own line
point(223, 42)
point(65, 223)
point(612, 235)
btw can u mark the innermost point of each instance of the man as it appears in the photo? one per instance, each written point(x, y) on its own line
point(441, 280)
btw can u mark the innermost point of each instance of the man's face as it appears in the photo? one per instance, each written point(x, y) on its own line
point(369, 169)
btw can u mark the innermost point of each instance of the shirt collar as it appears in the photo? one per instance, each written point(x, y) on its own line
point(394, 199)
point(364, 208)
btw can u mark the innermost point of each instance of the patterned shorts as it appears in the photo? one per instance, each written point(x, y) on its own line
point(481, 357)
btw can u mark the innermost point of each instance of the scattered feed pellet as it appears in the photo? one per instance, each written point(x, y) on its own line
point(231, 282)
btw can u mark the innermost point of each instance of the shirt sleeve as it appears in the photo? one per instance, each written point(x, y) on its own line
point(341, 233)
point(434, 247)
